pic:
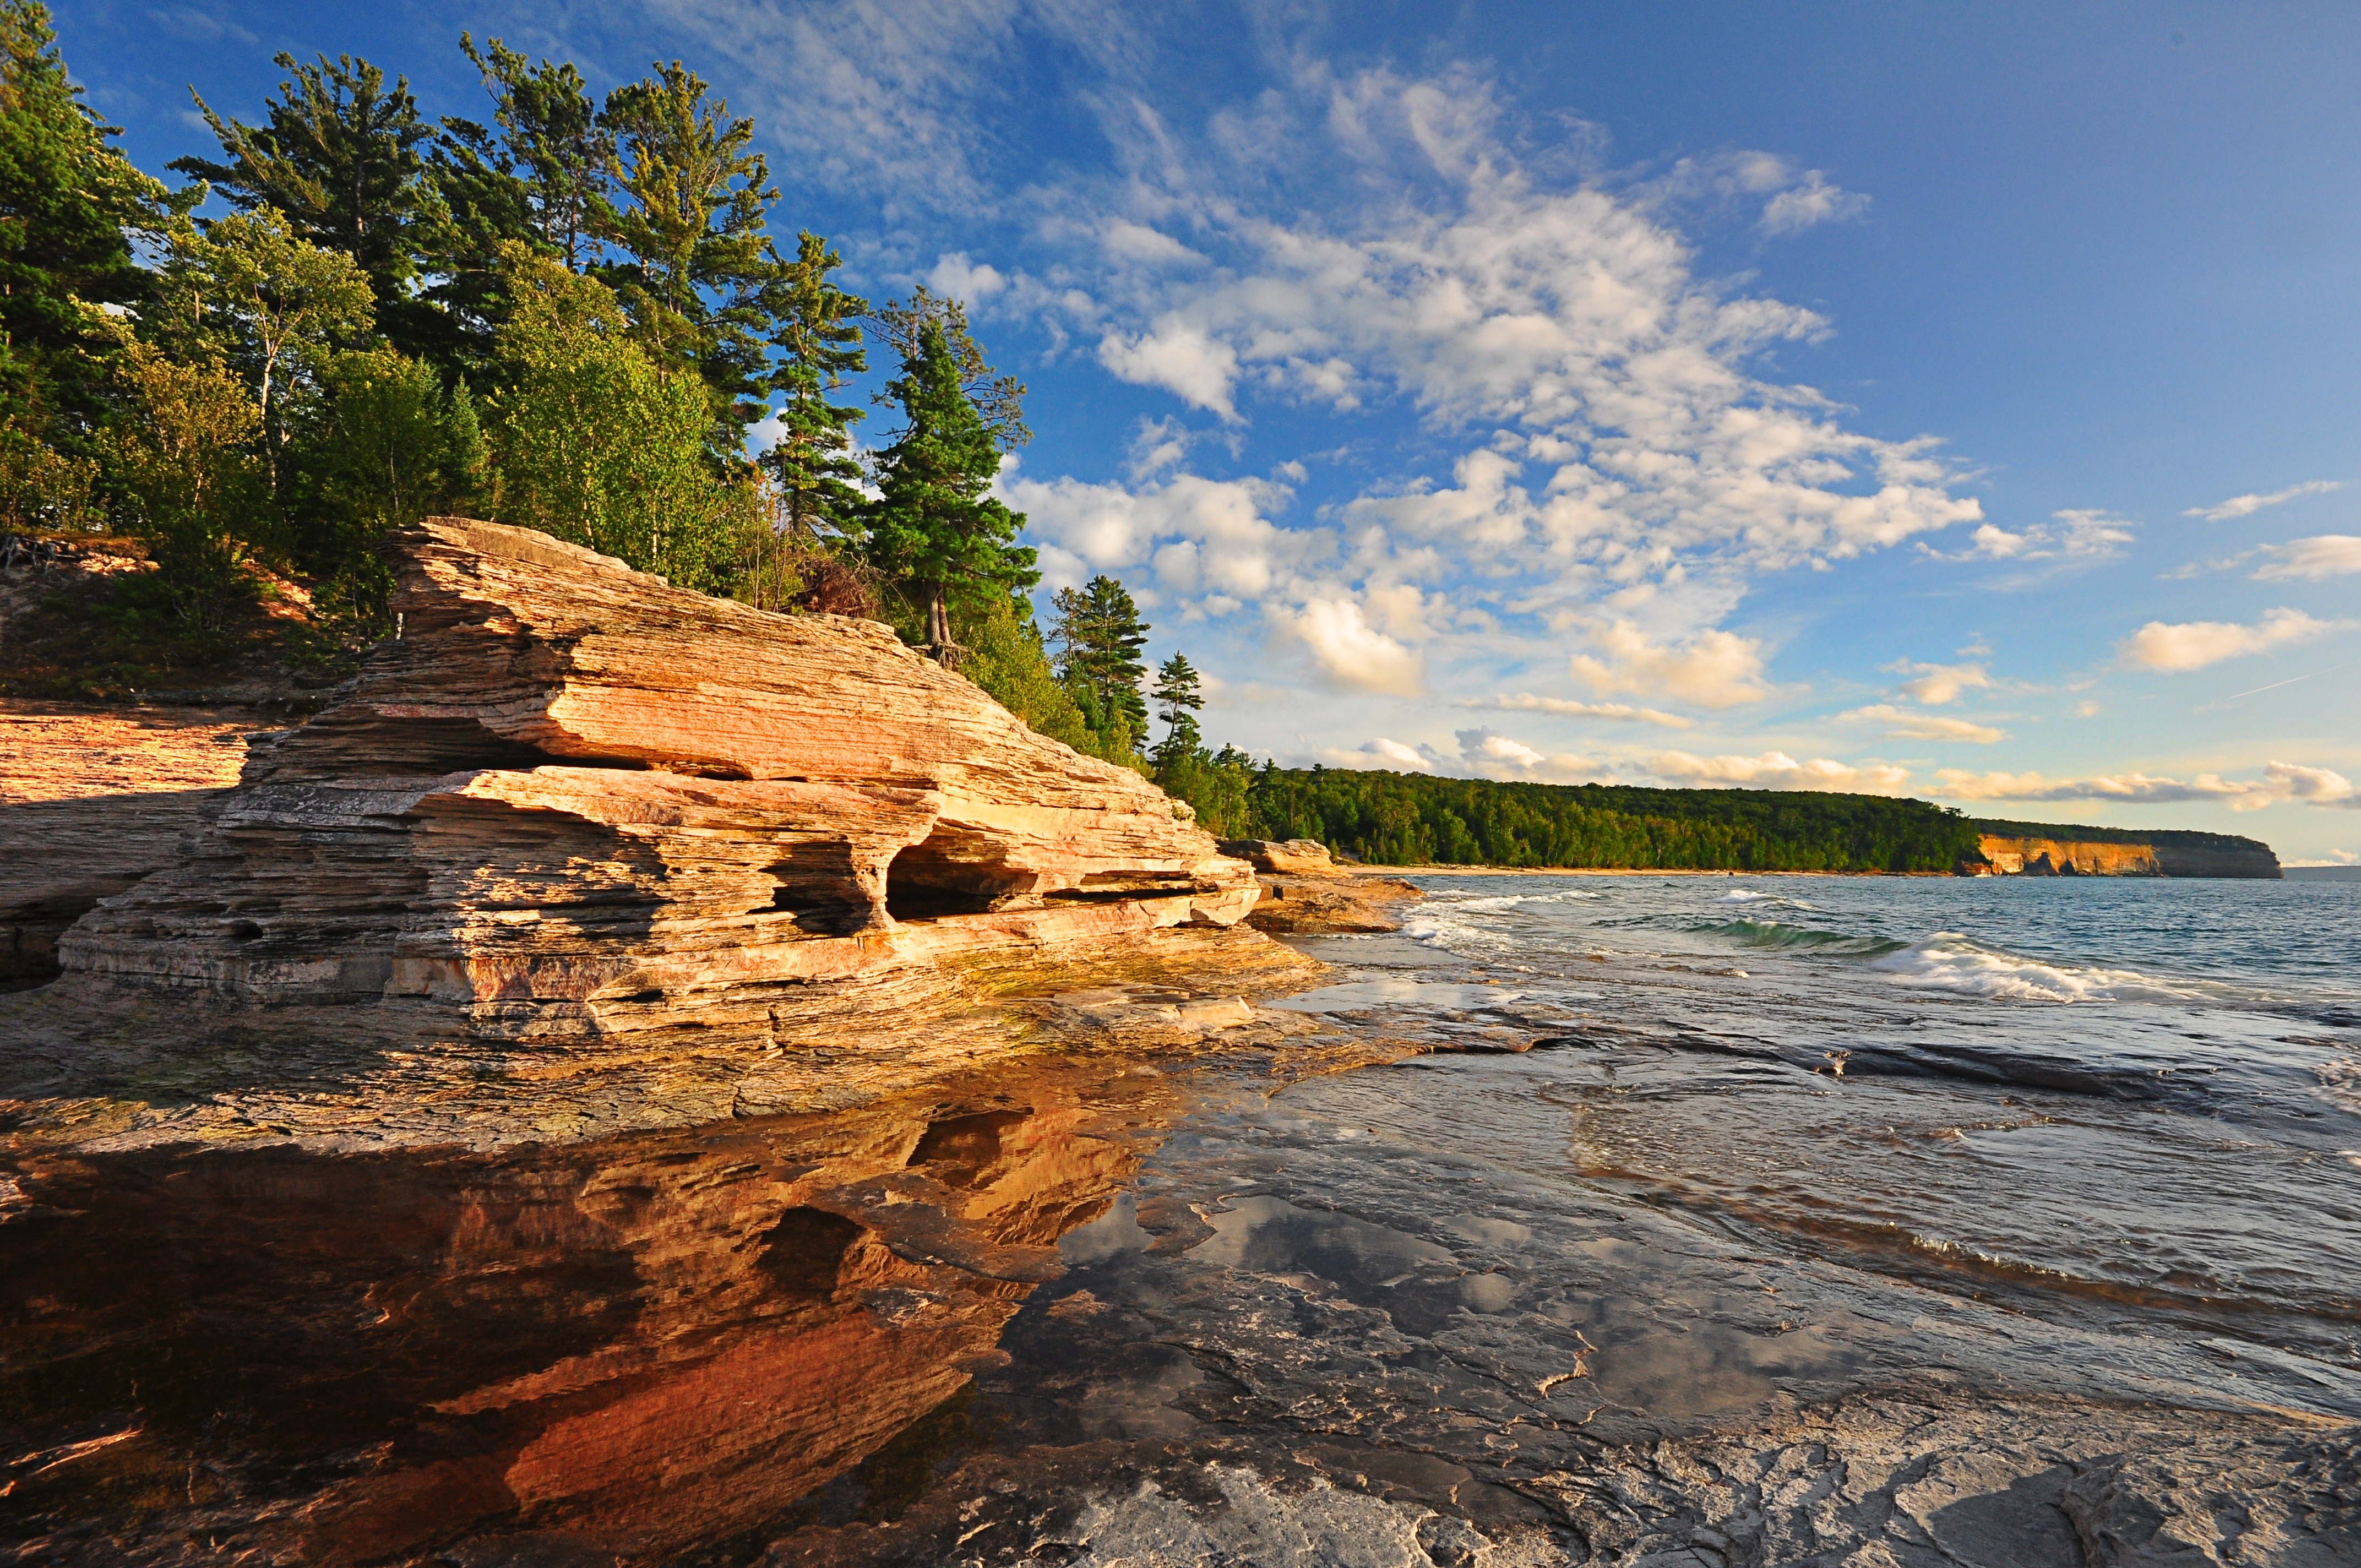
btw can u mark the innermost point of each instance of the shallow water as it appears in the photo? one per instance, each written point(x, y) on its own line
point(1995, 1190)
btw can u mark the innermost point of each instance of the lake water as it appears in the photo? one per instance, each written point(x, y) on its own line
point(1738, 1221)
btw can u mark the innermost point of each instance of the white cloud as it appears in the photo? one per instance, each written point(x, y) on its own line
point(2280, 782)
point(1776, 770)
point(1814, 201)
point(1715, 669)
point(1179, 357)
point(1204, 537)
point(2324, 555)
point(1349, 651)
point(2192, 645)
point(2243, 506)
point(1938, 683)
point(1390, 756)
point(970, 282)
point(1491, 755)
point(1565, 707)
point(2077, 533)
point(1904, 724)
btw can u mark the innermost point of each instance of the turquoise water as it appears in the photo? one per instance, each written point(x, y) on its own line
point(2135, 1104)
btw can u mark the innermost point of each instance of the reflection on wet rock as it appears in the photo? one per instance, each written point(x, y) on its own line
point(643, 1347)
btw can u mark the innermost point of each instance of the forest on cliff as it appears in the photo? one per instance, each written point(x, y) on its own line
point(1388, 818)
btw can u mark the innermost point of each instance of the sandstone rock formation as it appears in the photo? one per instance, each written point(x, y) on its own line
point(1305, 893)
point(2015, 849)
point(2052, 857)
point(92, 803)
point(577, 813)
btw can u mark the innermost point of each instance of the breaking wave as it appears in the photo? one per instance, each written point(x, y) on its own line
point(1949, 961)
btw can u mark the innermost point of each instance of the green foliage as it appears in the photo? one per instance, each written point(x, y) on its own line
point(1220, 787)
point(392, 447)
point(934, 528)
point(1102, 632)
point(998, 400)
point(1178, 694)
point(537, 175)
point(69, 204)
point(818, 336)
point(342, 160)
point(594, 442)
point(272, 303)
point(43, 491)
point(186, 467)
point(1005, 658)
point(1407, 819)
point(691, 206)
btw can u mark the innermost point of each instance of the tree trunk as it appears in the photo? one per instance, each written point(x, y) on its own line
point(939, 630)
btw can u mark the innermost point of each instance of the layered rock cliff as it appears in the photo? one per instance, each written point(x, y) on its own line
point(2067, 857)
point(2029, 848)
point(576, 813)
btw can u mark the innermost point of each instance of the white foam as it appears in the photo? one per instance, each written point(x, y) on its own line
point(1949, 961)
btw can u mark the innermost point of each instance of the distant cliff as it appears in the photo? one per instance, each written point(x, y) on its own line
point(2047, 848)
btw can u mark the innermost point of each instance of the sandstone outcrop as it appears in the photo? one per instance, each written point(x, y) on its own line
point(2021, 848)
point(2053, 857)
point(1305, 893)
point(92, 803)
point(574, 813)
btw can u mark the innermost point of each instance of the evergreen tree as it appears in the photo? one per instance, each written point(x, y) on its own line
point(692, 205)
point(344, 159)
point(816, 333)
point(1102, 633)
point(69, 204)
point(999, 400)
point(538, 174)
point(934, 528)
point(1178, 693)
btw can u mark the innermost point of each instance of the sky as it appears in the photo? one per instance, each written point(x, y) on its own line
point(1946, 401)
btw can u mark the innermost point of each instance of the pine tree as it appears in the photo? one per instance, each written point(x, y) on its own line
point(1178, 693)
point(344, 159)
point(816, 333)
point(538, 174)
point(69, 200)
point(690, 215)
point(934, 527)
point(1103, 632)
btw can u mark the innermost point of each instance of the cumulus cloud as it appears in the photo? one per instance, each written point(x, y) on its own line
point(1179, 357)
point(2243, 505)
point(2192, 645)
point(1205, 538)
point(2280, 782)
point(1565, 707)
point(1349, 651)
point(1905, 724)
point(1489, 755)
point(1714, 669)
point(1936, 685)
point(1776, 770)
point(2324, 555)
point(957, 276)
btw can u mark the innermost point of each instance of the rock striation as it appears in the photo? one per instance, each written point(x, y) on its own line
point(574, 807)
point(2053, 857)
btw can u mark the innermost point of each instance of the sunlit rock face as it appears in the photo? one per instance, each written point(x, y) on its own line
point(637, 1346)
point(572, 803)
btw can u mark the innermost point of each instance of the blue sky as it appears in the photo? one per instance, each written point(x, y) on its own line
point(1942, 400)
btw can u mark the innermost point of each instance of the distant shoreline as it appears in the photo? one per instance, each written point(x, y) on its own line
point(1359, 869)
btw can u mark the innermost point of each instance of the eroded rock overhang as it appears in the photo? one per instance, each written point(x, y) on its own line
point(571, 799)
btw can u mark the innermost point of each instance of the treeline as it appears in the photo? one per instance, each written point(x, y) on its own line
point(566, 312)
point(1389, 819)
